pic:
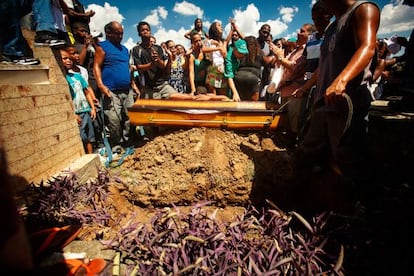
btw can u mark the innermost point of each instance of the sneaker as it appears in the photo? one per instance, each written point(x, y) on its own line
point(47, 38)
point(26, 61)
point(50, 42)
point(15, 60)
point(4, 59)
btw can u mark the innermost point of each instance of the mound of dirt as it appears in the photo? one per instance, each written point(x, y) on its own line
point(184, 166)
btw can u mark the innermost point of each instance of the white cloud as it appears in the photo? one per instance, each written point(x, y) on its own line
point(154, 17)
point(103, 15)
point(162, 12)
point(288, 13)
point(177, 36)
point(187, 8)
point(248, 21)
point(396, 18)
point(129, 43)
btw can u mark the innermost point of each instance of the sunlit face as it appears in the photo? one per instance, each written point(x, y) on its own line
point(144, 31)
point(81, 31)
point(235, 36)
point(264, 32)
point(180, 50)
point(198, 24)
point(279, 44)
point(381, 48)
point(219, 27)
point(116, 34)
point(303, 34)
point(196, 41)
point(153, 41)
point(66, 59)
point(171, 46)
point(74, 54)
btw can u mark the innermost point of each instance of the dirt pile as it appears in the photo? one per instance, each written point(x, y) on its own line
point(189, 165)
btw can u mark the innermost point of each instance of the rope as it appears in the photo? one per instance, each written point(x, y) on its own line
point(350, 112)
point(108, 148)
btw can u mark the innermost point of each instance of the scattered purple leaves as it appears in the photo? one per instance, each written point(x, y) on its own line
point(194, 243)
point(198, 244)
point(64, 200)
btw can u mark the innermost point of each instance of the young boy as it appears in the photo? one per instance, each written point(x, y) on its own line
point(82, 100)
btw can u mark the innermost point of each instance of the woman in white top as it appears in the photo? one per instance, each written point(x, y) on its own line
point(216, 49)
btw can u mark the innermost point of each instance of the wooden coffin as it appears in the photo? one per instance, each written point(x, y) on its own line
point(215, 114)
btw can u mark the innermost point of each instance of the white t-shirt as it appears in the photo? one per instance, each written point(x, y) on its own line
point(216, 56)
point(83, 72)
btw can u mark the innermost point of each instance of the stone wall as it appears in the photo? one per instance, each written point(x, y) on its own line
point(37, 125)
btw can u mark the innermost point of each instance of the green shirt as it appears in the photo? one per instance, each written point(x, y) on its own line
point(231, 64)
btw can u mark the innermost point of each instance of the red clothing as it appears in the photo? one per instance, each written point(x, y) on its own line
point(293, 78)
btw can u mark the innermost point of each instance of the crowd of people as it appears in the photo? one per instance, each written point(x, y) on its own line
point(214, 67)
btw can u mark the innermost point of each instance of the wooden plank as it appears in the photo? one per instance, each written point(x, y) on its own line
point(245, 106)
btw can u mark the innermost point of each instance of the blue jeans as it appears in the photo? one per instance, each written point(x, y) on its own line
point(42, 16)
point(86, 129)
point(12, 41)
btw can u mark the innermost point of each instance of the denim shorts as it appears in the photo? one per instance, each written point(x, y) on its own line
point(86, 128)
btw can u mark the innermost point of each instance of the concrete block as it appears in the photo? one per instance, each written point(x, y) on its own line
point(86, 167)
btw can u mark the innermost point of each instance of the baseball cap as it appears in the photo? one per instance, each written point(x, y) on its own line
point(95, 34)
point(241, 46)
point(392, 44)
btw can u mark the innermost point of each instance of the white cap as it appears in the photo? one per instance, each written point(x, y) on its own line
point(96, 34)
point(392, 44)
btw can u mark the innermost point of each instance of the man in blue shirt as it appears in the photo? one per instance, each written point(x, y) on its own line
point(113, 78)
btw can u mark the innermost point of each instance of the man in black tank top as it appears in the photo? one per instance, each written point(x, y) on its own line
point(337, 130)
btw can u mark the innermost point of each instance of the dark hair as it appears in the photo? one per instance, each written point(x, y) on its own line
point(318, 7)
point(197, 19)
point(253, 46)
point(408, 2)
point(214, 33)
point(195, 23)
point(108, 27)
point(56, 52)
point(78, 25)
point(143, 23)
point(265, 25)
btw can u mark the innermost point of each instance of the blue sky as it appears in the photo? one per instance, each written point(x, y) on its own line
point(171, 19)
